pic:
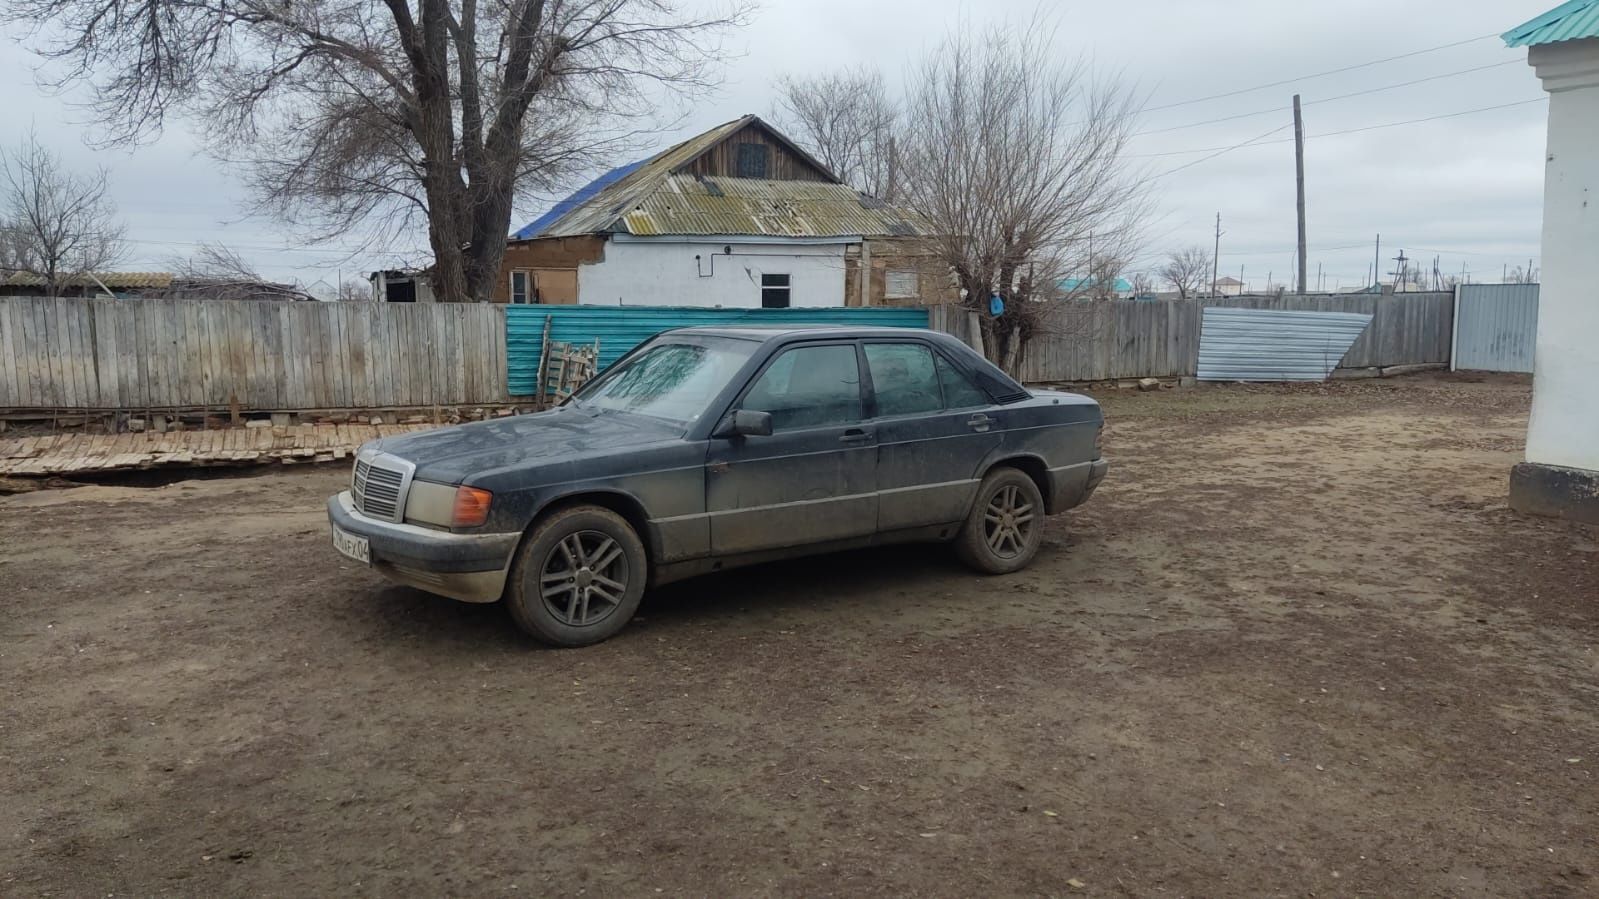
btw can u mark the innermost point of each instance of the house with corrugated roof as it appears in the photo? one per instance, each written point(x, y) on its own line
point(737, 217)
point(87, 284)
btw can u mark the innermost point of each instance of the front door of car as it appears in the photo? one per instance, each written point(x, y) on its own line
point(814, 478)
point(934, 430)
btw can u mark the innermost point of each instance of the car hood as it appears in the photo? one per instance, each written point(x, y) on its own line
point(565, 434)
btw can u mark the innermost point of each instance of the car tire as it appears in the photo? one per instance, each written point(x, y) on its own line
point(578, 577)
point(1003, 531)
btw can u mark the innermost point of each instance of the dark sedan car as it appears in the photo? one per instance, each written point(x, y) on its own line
point(707, 448)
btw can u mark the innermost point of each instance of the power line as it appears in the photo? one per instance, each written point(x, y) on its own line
point(1221, 150)
point(1448, 115)
point(1374, 90)
point(1351, 68)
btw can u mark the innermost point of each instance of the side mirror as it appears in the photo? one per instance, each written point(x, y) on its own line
point(746, 423)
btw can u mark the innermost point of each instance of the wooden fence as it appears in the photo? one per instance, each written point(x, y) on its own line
point(1141, 339)
point(253, 355)
point(76, 354)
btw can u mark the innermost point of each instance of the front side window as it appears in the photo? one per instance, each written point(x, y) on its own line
point(519, 287)
point(808, 387)
point(774, 291)
point(904, 378)
point(674, 381)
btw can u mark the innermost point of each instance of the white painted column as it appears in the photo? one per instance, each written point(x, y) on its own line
point(1564, 430)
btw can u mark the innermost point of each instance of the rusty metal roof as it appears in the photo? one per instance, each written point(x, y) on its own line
point(651, 198)
point(113, 280)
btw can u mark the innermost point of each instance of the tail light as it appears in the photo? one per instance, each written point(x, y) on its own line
point(471, 507)
point(1099, 439)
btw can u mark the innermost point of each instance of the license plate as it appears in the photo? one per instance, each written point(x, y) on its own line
point(355, 547)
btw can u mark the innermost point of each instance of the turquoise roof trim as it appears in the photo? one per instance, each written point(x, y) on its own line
point(1571, 21)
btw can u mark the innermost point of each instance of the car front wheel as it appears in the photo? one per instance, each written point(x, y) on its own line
point(578, 578)
point(1006, 524)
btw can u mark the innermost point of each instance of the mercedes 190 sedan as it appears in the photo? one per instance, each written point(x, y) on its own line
point(708, 448)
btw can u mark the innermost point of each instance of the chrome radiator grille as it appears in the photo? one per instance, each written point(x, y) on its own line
point(377, 490)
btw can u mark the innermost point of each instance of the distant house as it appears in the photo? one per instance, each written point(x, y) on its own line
point(736, 217)
point(401, 286)
point(95, 284)
point(1229, 286)
point(1081, 287)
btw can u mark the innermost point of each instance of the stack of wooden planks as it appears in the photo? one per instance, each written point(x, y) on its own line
point(69, 454)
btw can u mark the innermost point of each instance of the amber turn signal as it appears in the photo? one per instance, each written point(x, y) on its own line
point(471, 507)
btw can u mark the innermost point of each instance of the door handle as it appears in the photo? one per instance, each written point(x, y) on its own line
point(979, 422)
point(855, 435)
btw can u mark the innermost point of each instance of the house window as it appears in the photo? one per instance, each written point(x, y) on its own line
point(519, 292)
point(901, 285)
point(774, 291)
point(752, 160)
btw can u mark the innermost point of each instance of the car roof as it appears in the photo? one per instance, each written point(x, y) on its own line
point(768, 332)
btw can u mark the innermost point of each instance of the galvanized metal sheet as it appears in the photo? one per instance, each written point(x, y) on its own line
point(621, 328)
point(1496, 327)
point(1273, 345)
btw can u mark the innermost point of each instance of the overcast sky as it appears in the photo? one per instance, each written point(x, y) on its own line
point(1466, 189)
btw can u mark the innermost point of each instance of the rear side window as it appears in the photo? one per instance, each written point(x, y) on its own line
point(959, 392)
point(904, 378)
point(809, 387)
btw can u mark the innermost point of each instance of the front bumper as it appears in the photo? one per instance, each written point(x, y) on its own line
point(1072, 485)
point(468, 567)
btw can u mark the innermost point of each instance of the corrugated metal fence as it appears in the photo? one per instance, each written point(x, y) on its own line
point(1275, 344)
point(620, 328)
point(261, 355)
point(1496, 327)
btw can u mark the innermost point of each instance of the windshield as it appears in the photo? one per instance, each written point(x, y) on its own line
point(672, 380)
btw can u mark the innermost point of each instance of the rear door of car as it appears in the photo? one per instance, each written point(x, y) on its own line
point(934, 429)
point(814, 479)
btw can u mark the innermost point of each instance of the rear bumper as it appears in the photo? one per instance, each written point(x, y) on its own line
point(1070, 486)
point(468, 567)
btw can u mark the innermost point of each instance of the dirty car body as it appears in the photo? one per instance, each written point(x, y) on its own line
point(719, 447)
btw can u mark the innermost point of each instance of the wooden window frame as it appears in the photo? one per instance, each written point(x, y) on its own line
point(785, 290)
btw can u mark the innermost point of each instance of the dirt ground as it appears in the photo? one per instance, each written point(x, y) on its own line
point(1296, 645)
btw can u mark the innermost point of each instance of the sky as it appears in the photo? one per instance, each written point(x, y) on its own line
point(1464, 188)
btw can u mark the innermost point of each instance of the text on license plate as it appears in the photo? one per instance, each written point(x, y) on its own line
point(355, 547)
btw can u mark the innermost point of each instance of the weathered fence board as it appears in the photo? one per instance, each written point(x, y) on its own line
point(263, 355)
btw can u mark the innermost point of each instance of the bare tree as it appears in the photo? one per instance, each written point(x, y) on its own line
point(56, 224)
point(375, 116)
point(1187, 271)
point(355, 290)
point(1143, 284)
point(218, 272)
point(1015, 162)
point(848, 121)
point(1522, 275)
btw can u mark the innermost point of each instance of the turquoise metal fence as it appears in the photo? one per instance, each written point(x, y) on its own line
point(621, 328)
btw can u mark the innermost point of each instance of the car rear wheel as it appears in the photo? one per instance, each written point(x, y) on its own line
point(578, 577)
point(1005, 527)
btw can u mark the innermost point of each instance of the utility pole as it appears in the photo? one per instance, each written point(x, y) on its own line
point(1215, 256)
point(1376, 264)
point(1400, 271)
point(1321, 283)
point(1299, 176)
point(1240, 280)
